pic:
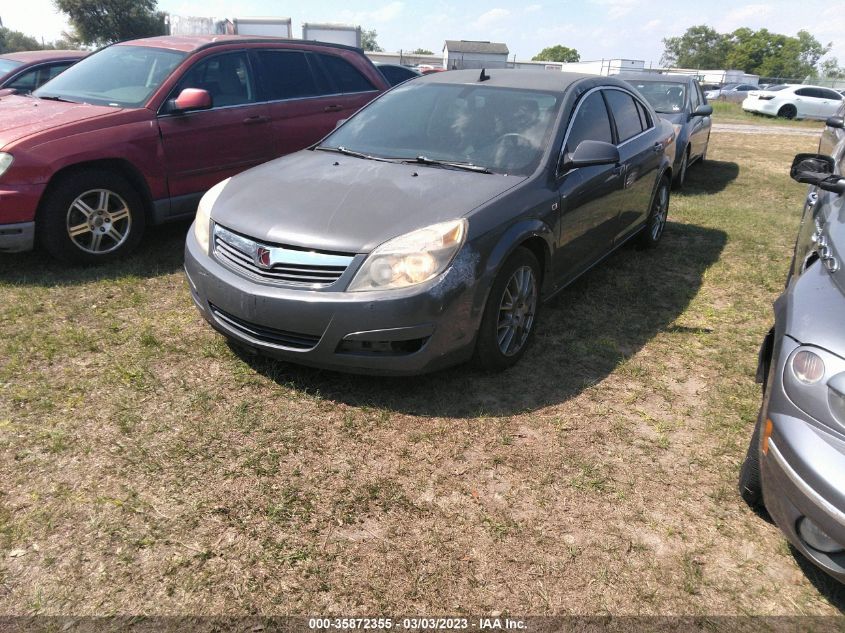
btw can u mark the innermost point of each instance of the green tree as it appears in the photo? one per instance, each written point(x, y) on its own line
point(830, 68)
point(99, 22)
point(369, 42)
point(557, 53)
point(13, 41)
point(421, 51)
point(699, 47)
point(774, 55)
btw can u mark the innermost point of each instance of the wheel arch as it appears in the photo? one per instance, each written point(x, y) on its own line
point(119, 166)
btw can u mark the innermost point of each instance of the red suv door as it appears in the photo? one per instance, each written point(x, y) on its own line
point(304, 100)
point(203, 147)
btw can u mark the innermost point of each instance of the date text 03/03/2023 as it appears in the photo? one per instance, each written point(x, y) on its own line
point(386, 624)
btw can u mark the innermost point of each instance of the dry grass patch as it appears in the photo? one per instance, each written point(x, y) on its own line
point(148, 469)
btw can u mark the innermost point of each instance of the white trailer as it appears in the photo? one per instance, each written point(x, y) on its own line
point(272, 27)
point(333, 33)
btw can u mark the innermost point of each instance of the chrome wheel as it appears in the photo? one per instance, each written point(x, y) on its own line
point(98, 221)
point(661, 211)
point(517, 309)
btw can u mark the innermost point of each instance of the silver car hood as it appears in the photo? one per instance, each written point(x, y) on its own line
point(328, 201)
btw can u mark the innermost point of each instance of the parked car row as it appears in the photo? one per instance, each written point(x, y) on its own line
point(24, 72)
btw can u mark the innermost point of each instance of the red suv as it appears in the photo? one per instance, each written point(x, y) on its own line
point(138, 131)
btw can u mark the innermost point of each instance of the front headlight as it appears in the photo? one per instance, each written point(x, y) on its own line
point(6, 161)
point(202, 223)
point(412, 258)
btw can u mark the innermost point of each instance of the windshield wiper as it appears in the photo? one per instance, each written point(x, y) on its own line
point(425, 160)
point(54, 98)
point(350, 152)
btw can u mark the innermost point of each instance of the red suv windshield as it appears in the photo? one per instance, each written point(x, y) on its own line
point(119, 76)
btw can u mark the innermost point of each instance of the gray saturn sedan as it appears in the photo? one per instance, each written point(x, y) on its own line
point(428, 228)
point(680, 100)
point(796, 460)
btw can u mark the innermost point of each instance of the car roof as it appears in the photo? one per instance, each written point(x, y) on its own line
point(675, 79)
point(548, 80)
point(191, 43)
point(29, 57)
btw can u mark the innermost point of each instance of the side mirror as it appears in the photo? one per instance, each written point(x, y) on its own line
point(191, 99)
point(817, 169)
point(590, 153)
point(340, 122)
point(835, 121)
point(703, 110)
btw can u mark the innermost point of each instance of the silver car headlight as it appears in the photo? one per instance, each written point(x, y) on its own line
point(412, 258)
point(6, 161)
point(814, 379)
point(202, 222)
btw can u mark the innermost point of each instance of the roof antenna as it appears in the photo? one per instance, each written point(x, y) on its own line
point(483, 76)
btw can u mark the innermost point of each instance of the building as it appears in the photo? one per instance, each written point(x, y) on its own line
point(459, 54)
point(192, 25)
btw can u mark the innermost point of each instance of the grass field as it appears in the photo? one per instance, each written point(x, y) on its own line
point(727, 112)
point(148, 469)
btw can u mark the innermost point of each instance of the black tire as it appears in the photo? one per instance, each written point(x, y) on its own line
point(681, 177)
point(489, 354)
point(656, 221)
point(750, 485)
point(788, 111)
point(63, 209)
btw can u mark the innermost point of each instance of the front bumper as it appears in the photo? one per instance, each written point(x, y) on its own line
point(803, 475)
point(434, 324)
point(18, 237)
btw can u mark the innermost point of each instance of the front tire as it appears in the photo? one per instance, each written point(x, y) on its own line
point(507, 327)
point(91, 217)
point(656, 222)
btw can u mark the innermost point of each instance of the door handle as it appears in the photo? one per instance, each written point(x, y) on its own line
point(619, 170)
point(256, 119)
point(657, 148)
point(333, 108)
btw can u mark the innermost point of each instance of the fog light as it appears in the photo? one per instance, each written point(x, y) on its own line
point(816, 538)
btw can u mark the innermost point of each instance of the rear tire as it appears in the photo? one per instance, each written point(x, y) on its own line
point(788, 111)
point(656, 221)
point(510, 316)
point(91, 217)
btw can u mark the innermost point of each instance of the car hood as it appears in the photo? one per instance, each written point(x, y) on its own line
point(328, 201)
point(23, 116)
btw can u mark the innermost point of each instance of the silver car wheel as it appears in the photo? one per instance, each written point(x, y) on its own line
point(98, 221)
point(661, 211)
point(517, 308)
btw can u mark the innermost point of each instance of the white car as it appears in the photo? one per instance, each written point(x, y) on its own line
point(794, 101)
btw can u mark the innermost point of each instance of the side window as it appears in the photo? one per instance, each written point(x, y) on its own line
point(288, 75)
point(804, 92)
point(346, 77)
point(56, 69)
point(830, 94)
point(625, 114)
point(645, 117)
point(591, 123)
point(27, 82)
point(700, 93)
point(694, 97)
point(226, 77)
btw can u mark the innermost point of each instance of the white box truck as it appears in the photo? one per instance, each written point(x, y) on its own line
point(333, 33)
point(272, 27)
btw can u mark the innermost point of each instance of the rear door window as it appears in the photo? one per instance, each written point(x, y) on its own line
point(346, 77)
point(625, 114)
point(288, 75)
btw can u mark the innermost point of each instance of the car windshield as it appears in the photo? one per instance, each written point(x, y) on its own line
point(501, 129)
point(120, 76)
point(664, 96)
point(7, 65)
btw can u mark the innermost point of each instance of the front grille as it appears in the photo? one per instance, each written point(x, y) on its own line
point(288, 265)
point(265, 334)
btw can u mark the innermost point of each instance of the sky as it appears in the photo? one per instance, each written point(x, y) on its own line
point(630, 29)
